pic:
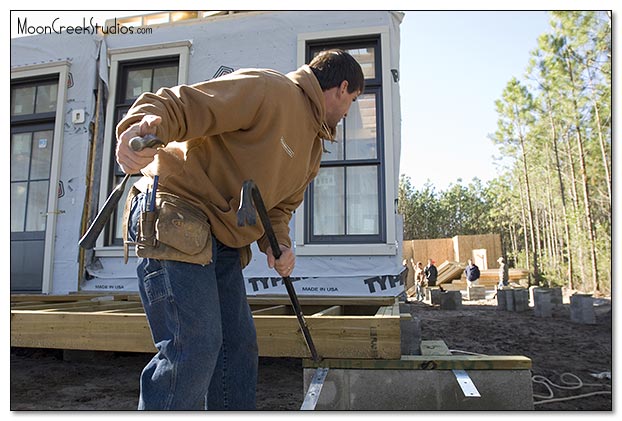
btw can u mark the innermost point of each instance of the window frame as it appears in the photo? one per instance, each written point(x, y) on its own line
point(59, 71)
point(387, 124)
point(122, 105)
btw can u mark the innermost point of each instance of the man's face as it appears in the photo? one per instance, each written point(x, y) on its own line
point(338, 101)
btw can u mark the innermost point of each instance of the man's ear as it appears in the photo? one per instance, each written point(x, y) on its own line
point(343, 87)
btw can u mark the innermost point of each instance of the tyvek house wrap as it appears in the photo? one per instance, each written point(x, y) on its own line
point(261, 40)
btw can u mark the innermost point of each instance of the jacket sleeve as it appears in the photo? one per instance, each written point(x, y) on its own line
point(209, 108)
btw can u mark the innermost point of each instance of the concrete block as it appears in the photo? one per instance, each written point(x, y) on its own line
point(451, 300)
point(521, 299)
point(410, 336)
point(509, 300)
point(501, 299)
point(557, 299)
point(433, 295)
point(422, 390)
point(476, 293)
point(542, 302)
point(582, 309)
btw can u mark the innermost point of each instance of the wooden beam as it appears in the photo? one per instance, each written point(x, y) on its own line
point(333, 336)
point(81, 330)
point(422, 362)
point(122, 326)
point(323, 300)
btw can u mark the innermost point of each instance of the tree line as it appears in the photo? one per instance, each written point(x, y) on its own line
point(551, 201)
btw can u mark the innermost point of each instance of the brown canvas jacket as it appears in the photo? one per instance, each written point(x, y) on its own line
point(251, 124)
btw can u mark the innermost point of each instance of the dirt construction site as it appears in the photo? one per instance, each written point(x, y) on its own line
point(570, 364)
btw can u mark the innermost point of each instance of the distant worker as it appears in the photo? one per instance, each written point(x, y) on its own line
point(504, 275)
point(420, 281)
point(431, 273)
point(471, 272)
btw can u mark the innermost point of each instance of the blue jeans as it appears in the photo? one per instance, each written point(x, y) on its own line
point(203, 329)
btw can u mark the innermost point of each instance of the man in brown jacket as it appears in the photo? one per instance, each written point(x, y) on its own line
point(251, 124)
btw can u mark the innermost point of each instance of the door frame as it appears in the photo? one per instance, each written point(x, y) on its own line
point(61, 69)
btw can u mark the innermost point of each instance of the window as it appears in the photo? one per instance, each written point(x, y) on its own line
point(135, 78)
point(33, 109)
point(345, 202)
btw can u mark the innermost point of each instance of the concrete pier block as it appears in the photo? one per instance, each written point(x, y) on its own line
point(582, 309)
point(410, 331)
point(422, 390)
point(433, 295)
point(557, 297)
point(501, 299)
point(451, 300)
point(521, 299)
point(509, 299)
point(542, 306)
point(476, 293)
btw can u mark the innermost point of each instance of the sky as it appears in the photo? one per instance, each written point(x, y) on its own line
point(453, 66)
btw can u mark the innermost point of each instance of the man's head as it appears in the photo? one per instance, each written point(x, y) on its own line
point(342, 81)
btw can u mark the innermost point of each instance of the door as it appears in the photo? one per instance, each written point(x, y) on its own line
point(31, 159)
point(480, 258)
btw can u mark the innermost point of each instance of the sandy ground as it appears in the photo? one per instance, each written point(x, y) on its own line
point(43, 379)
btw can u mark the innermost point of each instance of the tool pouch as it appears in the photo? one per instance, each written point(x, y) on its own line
point(175, 230)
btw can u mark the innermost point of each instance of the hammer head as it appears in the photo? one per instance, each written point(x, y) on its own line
point(247, 215)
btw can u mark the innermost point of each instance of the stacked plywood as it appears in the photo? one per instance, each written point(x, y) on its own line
point(448, 271)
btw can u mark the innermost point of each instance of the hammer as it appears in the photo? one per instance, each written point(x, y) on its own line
point(88, 239)
point(251, 201)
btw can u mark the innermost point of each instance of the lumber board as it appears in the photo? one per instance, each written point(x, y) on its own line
point(333, 337)
point(322, 300)
point(352, 331)
point(73, 297)
point(429, 362)
point(434, 347)
point(81, 330)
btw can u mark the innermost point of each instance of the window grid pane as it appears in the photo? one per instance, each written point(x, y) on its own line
point(366, 57)
point(37, 205)
point(328, 201)
point(361, 136)
point(164, 77)
point(18, 206)
point(138, 81)
point(41, 155)
point(362, 200)
point(46, 98)
point(20, 156)
point(23, 100)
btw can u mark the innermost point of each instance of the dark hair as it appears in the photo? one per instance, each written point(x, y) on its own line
point(331, 67)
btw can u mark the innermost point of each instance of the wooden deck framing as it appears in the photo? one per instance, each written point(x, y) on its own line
point(341, 327)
